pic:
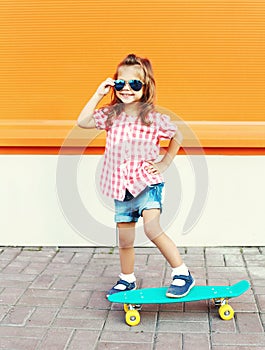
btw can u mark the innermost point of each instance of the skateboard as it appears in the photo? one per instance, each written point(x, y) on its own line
point(134, 299)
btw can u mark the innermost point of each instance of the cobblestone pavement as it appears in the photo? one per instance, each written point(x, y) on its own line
point(55, 299)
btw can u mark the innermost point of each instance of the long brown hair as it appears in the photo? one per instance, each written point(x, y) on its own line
point(148, 99)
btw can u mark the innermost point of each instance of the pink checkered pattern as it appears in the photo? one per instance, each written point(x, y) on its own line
point(129, 145)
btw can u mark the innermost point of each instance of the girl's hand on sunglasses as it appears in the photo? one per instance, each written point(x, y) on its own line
point(104, 87)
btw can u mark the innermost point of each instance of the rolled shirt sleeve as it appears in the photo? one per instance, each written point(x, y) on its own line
point(100, 116)
point(167, 129)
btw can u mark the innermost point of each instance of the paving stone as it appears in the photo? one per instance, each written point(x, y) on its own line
point(155, 259)
point(11, 295)
point(223, 250)
point(215, 260)
point(3, 264)
point(258, 282)
point(240, 347)
point(75, 323)
point(233, 260)
point(63, 257)
point(64, 282)
point(223, 272)
point(43, 281)
point(43, 297)
point(121, 345)
point(256, 272)
point(3, 311)
point(93, 283)
point(17, 316)
point(81, 258)
point(183, 317)
point(34, 268)
point(195, 261)
point(183, 327)
point(41, 256)
point(82, 313)
point(198, 306)
point(22, 332)
point(56, 339)
point(16, 280)
point(98, 301)
point(84, 340)
point(218, 325)
point(152, 282)
point(261, 302)
point(258, 289)
point(10, 253)
point(42, 317)
point(238, 339)
point(178, 307)
point(15, 267)
point(79, 299)
point(18, 343)
point(89, 250)
point(244, 307)
point(262, 317)
point(251, 250)
point(219, 281)
point(249, 323)
point(195, 251)
point(168, 341)
point(196, 341)
point(133, 336)
point(106, 250)
point(149, 251)
point(62, 269)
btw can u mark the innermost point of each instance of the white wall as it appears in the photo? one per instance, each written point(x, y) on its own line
point(54, 200)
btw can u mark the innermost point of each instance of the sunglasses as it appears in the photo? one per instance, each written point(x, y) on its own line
point(136, 85)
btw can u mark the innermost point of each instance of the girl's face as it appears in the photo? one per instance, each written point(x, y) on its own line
point(127, 95)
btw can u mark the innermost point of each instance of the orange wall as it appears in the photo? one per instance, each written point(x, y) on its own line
point(208, 55)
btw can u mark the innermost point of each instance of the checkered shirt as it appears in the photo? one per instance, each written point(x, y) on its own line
point(129, 145)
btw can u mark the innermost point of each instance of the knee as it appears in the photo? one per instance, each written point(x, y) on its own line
point(152, 231)
point(126, 237)
point(126, 242)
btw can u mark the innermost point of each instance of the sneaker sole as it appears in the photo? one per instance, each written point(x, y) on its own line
point(170, 295)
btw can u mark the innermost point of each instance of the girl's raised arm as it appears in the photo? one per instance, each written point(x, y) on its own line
point(85, 119)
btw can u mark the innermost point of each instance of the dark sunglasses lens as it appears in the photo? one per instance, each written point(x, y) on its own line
point(119, 84)
point(136, 85)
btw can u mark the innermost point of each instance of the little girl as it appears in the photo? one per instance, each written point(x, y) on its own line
point(130, 174)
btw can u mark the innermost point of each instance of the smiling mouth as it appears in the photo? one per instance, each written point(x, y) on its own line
point(126, 95)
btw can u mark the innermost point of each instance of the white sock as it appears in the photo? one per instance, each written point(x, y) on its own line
point(130, 278)
point(180, 270)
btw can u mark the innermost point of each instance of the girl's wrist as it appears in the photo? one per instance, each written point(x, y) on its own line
point(98, 96)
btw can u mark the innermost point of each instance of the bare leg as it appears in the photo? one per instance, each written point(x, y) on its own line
point(126, 249)
point(182, 280)
point(155, 233)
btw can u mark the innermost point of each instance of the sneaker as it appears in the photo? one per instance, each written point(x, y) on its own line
point(180, 291)
point(115, 289)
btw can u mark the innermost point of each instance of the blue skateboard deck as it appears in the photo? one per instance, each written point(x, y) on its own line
point(133, 300)
point(158, 295)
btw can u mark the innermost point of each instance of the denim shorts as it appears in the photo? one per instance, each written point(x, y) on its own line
point(131, 210)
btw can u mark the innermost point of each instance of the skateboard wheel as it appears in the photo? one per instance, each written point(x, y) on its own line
point(132, 317)
point(226, 312)
point(125, 307)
